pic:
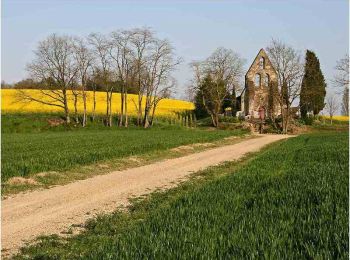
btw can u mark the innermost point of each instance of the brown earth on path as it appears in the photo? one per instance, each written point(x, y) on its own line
point(45, 212)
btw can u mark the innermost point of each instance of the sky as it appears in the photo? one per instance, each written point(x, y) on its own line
point(195, 28)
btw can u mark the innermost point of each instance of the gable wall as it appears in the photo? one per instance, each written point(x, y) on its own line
point(258, 96)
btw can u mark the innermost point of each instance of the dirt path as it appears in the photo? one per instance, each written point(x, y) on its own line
point(26, 216)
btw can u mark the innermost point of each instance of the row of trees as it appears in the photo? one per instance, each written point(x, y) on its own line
point(122, 61)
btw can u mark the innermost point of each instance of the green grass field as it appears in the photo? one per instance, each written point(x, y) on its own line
point(26, 152)
point(288, 202)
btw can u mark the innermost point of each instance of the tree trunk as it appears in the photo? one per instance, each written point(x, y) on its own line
point(110, 109)
point(217, 120)
point(153, 112)
point(66, 109)
point(146, 119)
point(126, 108)
point(94, 105)
point(107, 108)
point(212, 116)
point(84, 103)
point(121, 116)
point(285, 120)
point(76, 108)
point(139, 112)
point(233, 103)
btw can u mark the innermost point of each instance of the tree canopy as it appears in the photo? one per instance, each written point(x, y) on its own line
point(313, 87)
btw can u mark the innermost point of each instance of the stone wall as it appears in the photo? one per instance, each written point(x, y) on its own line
point(260, 86)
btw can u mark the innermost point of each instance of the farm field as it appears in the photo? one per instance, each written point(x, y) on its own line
point(289, 201)
point(11, 103)
point(24, 154)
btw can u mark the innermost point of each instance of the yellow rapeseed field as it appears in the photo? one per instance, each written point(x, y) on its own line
point(339, 118)
point(11, 103)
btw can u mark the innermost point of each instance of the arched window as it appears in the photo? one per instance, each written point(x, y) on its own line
point(262, 63)
point(267, 80)
point(257, 80)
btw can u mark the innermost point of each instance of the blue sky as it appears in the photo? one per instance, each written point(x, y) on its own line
point(196, 28)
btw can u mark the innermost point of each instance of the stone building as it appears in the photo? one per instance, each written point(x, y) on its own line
point(259, 94)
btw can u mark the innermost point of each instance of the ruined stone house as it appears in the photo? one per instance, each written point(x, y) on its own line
point(260, 90)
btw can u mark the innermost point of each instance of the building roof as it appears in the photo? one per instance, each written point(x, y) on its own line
point(263, 53)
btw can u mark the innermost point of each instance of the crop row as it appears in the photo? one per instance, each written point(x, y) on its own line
point(26, 153)
point(290, 202)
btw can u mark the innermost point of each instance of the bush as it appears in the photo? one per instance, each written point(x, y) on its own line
point(228, 119)
point(308, 120)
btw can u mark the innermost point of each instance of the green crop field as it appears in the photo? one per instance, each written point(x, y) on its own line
point(288, 202)
point(26, 153)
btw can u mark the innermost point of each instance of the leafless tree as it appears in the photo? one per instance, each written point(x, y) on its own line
point(141, 40)
point(100, 49)
point(84, 60)
point(341, 80)
point(123, 57)
point(55, 67)
point(5, 85)
point(223, 69)
point(164, 92)
point(289, 68)
point(156, 76)
point(332, 106)
point(76, 95)
point(93, 82)
point(342, 76)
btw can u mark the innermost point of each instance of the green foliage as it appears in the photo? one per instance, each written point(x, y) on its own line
point(28, 153)
point(200, 110)
point(308, 120)
point(313, 88)
point(213, 93)
point(228, 101)
point(40, 122)
point(291, 201)
point(222, 119)
point(228, 119)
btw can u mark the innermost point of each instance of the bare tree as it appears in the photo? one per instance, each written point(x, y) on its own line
point(93, 82)
point(215, 77)
point(84, 59)
point(165, 92)
point(345, 102)
point(76, 94)
point(100, 48)
point(55, 67)
point(123, 57)
point(342, 76)
point(332, 106)
point(341, 79)
point(156, 75)
point(289, 68)
point(142, 39)
point(5, 85)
